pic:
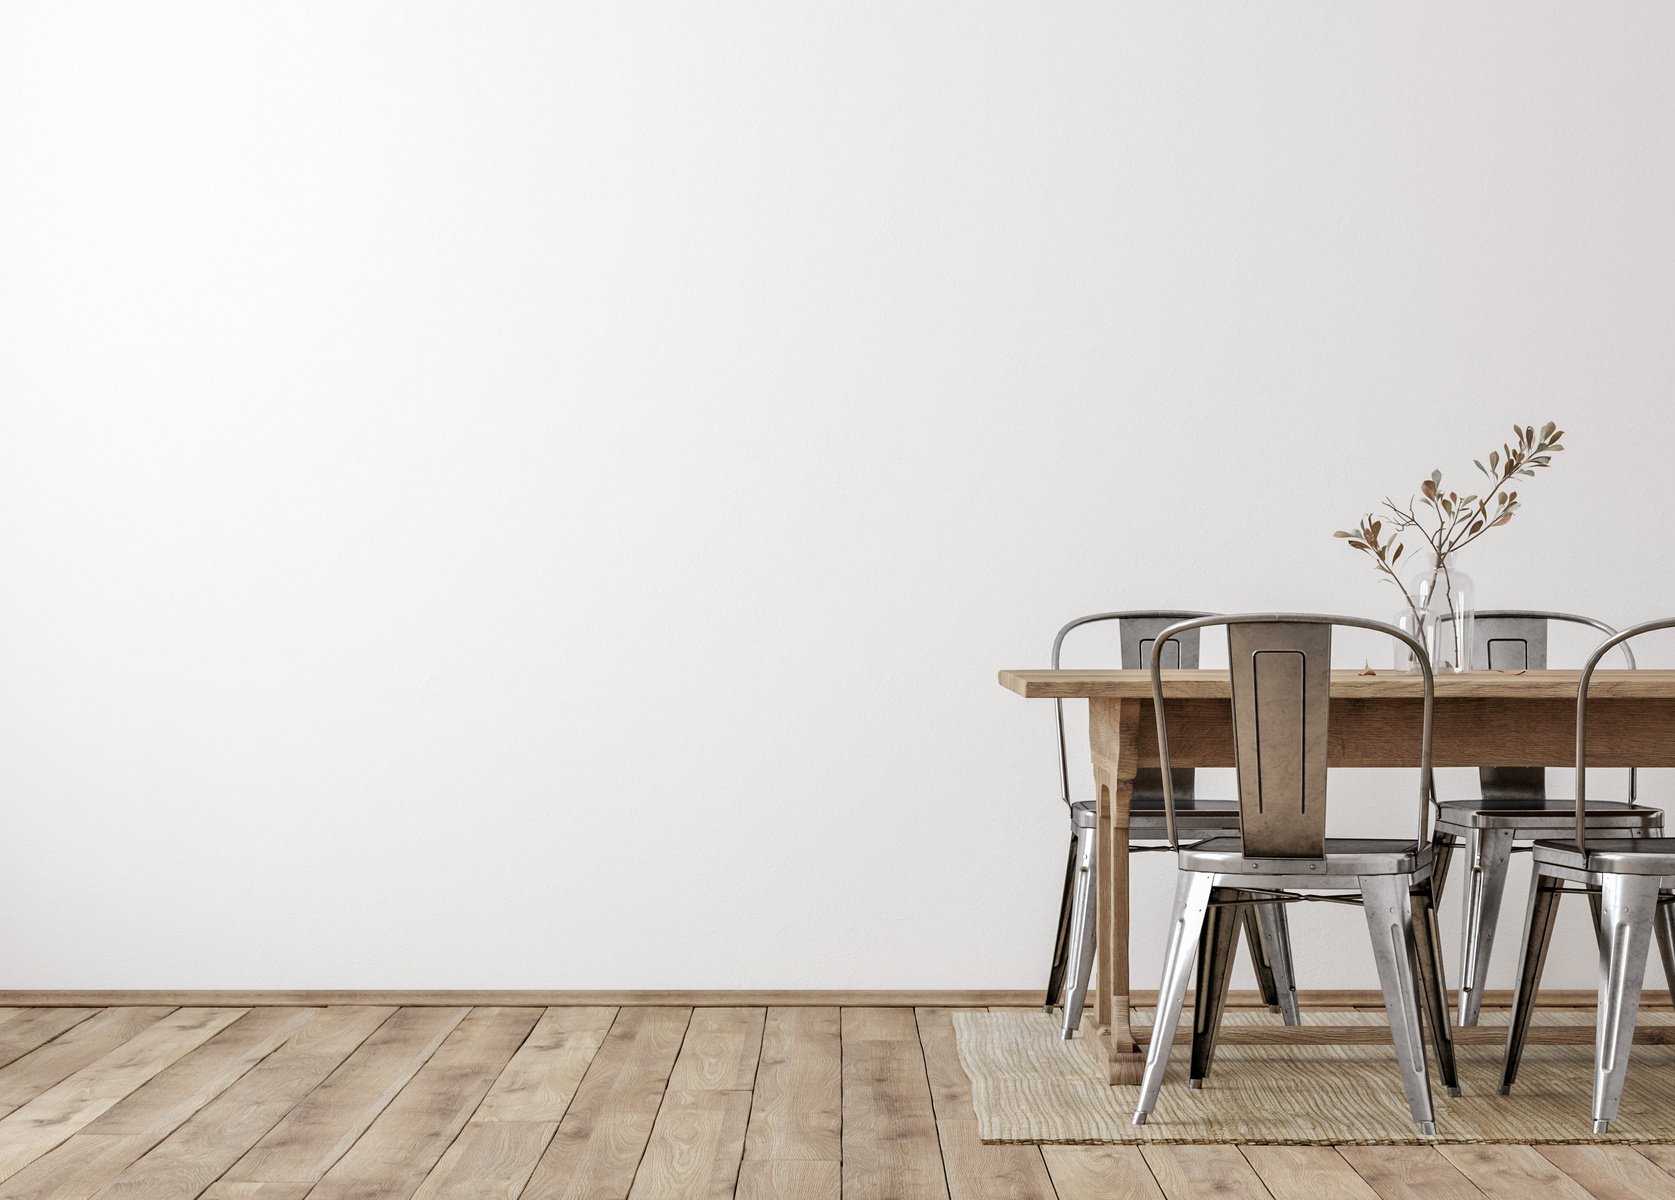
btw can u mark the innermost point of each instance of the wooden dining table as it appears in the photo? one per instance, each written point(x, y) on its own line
point(1481, 718)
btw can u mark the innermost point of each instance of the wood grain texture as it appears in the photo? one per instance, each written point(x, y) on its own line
point(490, 1160)
point(95, 1157)
point(202, 1149)
point(1512, 1173)
point(542, 1078)
point(29, 1028)
point(312, 1136)
point(1612, 1172)
point(391, 1159)
point(598, 1145)
point(153, 1119)
point(786, 1180)
point(695, 1147)
point(83, 1042)
point(1307, 1173)
point(1114, 727)
point(1100, 1173)
point(1215, 684)
point(697, 1141)
point(890, 1149)
point(974, 1171)
point(720, 1050)
point(1188, 1172)
point(68, 1107)
point(797, 1112)
point(1409, 1173)
point(1386, 733)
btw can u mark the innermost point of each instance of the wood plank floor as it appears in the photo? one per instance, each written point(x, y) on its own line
point(365, 1102)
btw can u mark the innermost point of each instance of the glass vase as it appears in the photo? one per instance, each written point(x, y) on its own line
point(1442, 608)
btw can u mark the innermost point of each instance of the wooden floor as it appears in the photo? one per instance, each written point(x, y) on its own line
point(634, 1103)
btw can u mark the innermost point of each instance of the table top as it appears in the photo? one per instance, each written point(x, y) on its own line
point(1213, 684)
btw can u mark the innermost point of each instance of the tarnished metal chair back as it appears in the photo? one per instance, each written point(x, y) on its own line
point(1600, 651)
point(1282, 697)
point(1281, 670)
point(1137, 632)
point(1513, 639)
point(1510, 641)
point(1139, 643)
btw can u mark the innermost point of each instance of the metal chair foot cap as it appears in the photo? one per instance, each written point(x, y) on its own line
point(1602, 1126)
point(1454, 1093)
point(1066, 1034)
point(1048, 1009)
point(1273, 1008)
point(1505, 1089)
point(1427, 1129)
point(1196, 1085)
point(1139, 1118)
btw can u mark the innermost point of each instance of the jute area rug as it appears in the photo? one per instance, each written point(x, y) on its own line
point(1028, 1086)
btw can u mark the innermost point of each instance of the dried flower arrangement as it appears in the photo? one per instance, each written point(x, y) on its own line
point(1447, 521)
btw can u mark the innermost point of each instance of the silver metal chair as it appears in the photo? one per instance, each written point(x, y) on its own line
point(1629, 880)
point(1514, 806)
point(1073, 950)
point(1281, 672)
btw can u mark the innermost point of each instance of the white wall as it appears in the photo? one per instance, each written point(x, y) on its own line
point(536, 495)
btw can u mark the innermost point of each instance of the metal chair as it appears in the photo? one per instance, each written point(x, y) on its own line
point(1514, 806)
point(1073, 949)
point(1631, 878)
point(1281, 681)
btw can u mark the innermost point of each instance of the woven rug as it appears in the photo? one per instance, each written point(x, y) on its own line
point(1028, 1086)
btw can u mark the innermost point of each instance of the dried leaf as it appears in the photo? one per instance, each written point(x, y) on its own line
point(1494, 459)
point(1502, 521)
point(1358, 545)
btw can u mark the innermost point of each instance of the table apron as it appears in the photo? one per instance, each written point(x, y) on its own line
point(1467, 732)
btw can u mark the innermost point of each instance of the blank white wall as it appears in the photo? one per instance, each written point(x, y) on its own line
point(531, 495)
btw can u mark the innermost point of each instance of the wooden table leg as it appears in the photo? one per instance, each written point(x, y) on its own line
point(1112, 727)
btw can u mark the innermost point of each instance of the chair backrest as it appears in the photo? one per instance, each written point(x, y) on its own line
point(1281, 670)
point(1515, 639)
point(1137, 631)
point(1600, 651)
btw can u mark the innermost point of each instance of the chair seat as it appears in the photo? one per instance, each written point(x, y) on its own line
point(1611, 856)
point(1536, 817)
point(1344, 857)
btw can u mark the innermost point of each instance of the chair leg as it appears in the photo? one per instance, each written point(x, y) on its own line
point(1630, 908)
point(1276, 943)
point(1665, 927)
point(1389, 911)
point(1261, 959)
point(1442, 851)
point(1488, 851)
point(1061, 941)
point(1215, 970)
point(1192, 900)
point(1433, 985)
point(1666, 939)
point(1545, 891)
point(1083, 928)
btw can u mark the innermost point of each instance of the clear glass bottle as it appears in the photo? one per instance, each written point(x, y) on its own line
point(1443, 596)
